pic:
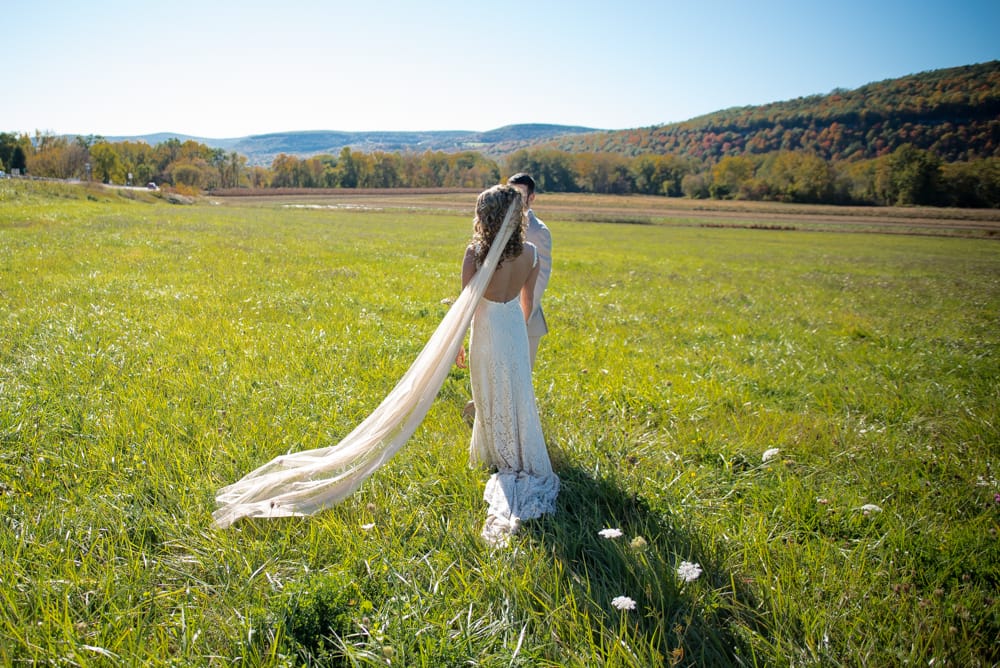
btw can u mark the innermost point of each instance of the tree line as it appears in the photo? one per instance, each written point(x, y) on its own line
point(907, 176)
point(193, 167)
point(186, 165)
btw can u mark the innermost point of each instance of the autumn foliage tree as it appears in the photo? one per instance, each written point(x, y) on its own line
point(660, 174)
point(731, 177)
point(796, 176)
point(908, 176)
point(58, 157)
point(108, 166)
point(552, 170)
point(972, 184)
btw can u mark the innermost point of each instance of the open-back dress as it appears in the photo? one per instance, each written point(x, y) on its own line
point(507, 432)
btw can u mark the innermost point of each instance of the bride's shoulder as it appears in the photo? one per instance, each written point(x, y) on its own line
point(529, 253)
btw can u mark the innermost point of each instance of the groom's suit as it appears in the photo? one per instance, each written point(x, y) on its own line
point(538, 234)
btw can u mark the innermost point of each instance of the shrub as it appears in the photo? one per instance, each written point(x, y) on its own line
point(320, 612)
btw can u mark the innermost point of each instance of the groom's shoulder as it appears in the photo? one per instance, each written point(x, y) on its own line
point(535, 224)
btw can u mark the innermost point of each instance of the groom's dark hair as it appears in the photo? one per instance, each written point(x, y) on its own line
point(522, 179)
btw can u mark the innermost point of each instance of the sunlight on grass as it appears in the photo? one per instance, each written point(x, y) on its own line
point(152, 353)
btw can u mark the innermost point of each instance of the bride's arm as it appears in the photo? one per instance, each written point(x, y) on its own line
point(468, 271)
point(468, 266)
point(528, 293)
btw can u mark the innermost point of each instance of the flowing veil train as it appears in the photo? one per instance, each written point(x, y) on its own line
point(304, 482)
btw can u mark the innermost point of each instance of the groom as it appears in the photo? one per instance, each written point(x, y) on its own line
point(538, 234)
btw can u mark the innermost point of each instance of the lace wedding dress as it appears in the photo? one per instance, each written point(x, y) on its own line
point(507, 433)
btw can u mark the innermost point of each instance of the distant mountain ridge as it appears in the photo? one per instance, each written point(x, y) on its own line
point(262, 149)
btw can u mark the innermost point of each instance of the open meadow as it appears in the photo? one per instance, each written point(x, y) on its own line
point(796, 432)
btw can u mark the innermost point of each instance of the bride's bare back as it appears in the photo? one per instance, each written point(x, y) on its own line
point(515, 277)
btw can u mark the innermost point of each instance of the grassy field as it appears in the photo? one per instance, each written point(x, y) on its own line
point(810, 416)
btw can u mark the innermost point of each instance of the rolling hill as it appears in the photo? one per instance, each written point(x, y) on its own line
point(954, 113)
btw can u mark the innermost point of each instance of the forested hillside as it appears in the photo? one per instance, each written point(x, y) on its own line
point(953, 113)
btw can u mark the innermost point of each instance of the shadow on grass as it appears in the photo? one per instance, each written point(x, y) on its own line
point(674, 622)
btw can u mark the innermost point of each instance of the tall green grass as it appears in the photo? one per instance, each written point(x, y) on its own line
point(152, 353)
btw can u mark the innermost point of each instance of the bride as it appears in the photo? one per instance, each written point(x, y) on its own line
point(507, 434)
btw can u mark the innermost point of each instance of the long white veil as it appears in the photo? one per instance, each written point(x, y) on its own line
point(304, 482)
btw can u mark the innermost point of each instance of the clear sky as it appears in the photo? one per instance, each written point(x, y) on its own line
point(219, 69)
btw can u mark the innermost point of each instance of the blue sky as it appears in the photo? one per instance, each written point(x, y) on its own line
point(227, 69)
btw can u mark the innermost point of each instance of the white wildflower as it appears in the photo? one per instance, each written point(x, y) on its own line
point(368, 527)
point(688, 571)
point(610, 533)
point(770, 453)
point(870, 508)
point(623, 603)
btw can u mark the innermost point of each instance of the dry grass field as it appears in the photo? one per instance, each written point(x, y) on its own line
point(644, 209)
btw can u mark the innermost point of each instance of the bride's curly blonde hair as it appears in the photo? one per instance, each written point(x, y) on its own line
point(491, 207)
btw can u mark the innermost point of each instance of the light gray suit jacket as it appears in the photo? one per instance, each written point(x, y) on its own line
point(538, 234)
